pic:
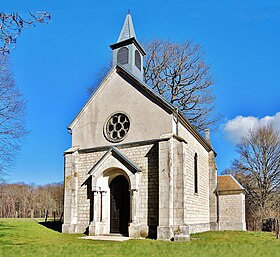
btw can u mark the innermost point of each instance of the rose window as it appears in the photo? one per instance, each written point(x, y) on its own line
point(117, 127)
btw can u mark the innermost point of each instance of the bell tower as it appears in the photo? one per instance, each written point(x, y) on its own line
point(128, 52)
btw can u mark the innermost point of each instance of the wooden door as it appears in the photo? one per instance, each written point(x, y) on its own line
point(120, 205)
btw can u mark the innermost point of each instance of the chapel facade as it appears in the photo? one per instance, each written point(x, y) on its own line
point(137, 167)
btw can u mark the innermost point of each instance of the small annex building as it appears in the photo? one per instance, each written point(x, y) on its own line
point(137, 167)
point(231, 197)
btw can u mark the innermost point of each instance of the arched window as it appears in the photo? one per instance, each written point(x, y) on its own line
point(137, 60)
point(195, 174)
point(122, 57)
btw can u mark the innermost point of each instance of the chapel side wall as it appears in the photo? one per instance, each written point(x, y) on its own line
point(232, 211)
point(196, 204)
point(146, 157)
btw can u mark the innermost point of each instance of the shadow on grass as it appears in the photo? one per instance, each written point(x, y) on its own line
point(54, 225)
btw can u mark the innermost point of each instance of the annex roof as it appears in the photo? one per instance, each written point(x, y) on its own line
point(228, 183)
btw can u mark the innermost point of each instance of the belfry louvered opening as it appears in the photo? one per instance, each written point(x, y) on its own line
point(122, 57)
point(137, 60)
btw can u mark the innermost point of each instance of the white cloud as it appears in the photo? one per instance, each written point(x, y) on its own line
point(240, 125)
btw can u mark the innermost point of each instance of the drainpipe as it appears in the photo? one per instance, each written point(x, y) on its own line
point(177, 128)
point(218, 206)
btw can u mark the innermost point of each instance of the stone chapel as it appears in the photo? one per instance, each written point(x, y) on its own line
point(137, 167)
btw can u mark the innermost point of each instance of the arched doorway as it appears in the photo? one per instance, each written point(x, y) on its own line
point(120, 205)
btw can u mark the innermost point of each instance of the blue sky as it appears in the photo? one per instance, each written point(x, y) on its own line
point(55, 63)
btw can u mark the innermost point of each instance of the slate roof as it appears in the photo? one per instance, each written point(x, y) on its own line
point(127, 29)
point(228, 183)
point(128, 36)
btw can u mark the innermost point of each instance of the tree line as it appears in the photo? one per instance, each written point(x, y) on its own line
point(258, 169)
point(20, 200)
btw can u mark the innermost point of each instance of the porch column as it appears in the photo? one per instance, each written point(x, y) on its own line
point(133, 207)
point(134, 230)
point(102, 194)
point(95, 206)
point(95, 213)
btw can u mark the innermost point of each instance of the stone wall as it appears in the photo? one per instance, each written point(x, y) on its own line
point(196, 204)
point(232, 211)
point(79, 194)
point(166, 202)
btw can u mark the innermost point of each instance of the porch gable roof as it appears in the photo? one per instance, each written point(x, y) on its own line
point(113, 151)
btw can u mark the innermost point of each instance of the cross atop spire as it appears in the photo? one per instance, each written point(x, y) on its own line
point(127, 29)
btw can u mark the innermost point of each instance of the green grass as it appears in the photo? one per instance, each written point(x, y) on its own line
point(25, 237)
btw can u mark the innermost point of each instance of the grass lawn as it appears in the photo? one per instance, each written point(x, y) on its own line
point(25, 237)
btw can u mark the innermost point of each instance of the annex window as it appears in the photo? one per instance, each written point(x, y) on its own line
point(195, 174)
point(122, 56)
point(137, 60)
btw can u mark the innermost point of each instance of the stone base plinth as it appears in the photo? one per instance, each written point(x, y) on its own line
point(181, 233)
point(134, 230)
point(164, 233)
point(214, 226)
point(69, 228)
point(182, 238)
point(98, 228)
point(137, 230)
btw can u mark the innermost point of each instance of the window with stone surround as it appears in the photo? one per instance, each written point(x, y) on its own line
point(195, 174)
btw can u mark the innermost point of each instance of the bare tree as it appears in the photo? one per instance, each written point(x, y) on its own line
point(179, 73)
point(99, 76)
point(12, 105)
point(12, 125)
point(258, 167)
point(11, 25)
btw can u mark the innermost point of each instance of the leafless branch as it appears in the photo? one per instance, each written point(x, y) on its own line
point(12, 24)
point(12, 110)
point(258, 169)
point(178, 73)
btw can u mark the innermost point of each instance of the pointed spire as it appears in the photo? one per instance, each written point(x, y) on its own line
point(127, 52)
point(127, 29)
